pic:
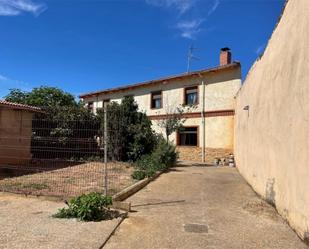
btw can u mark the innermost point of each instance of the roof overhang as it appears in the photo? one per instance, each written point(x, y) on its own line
point(162, 80)
point(16, 106)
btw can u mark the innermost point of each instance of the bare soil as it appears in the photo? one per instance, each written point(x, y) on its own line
point(72, 180)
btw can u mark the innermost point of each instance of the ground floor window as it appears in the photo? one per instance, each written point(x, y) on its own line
point(188, 136)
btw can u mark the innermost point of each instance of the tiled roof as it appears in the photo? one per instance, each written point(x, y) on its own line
point(152, 82)
point(19, 106)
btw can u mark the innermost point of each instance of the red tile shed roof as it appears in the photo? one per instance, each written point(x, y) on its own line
point(153, 82)
point(19, 106)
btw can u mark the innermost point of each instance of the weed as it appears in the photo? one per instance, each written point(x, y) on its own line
point(88, 207)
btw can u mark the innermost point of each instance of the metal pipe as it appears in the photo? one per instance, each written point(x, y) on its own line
point(105, 149)
point(203, 122)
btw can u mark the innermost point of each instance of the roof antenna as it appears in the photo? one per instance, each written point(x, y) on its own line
point(191, 57)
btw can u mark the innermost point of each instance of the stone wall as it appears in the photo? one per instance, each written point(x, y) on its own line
point(187, 153)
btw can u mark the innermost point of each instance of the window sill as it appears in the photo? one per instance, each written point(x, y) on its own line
point(191, 105)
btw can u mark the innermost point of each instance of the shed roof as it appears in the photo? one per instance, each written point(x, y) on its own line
point(157, 81)
point(17, 106)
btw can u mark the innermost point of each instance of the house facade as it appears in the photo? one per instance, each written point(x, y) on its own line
point(209, 126)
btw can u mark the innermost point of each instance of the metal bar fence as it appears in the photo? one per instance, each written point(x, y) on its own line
point(59, 153)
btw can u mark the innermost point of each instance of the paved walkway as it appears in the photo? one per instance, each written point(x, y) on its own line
point(199, 207)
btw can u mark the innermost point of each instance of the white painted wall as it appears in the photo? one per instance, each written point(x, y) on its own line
point(272, 138)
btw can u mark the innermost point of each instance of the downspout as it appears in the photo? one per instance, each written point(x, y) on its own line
point(203, 122)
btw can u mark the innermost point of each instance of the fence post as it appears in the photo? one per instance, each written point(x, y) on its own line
point(105, 149)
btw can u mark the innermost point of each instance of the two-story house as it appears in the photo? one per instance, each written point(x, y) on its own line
point(209, 128)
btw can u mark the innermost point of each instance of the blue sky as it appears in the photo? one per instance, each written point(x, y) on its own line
point(87, 45)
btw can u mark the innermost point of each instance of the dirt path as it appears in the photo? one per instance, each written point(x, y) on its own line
point(199, 207)
point(26, 223)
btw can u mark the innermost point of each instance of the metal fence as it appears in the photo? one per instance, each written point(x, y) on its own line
point(57, 155)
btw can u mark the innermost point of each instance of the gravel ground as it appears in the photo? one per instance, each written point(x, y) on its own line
point(26, 223)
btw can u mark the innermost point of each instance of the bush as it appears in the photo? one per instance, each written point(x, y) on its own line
point(129, 131)
point(162, 158)
point(165, 154)
point(87, 207)
point(139, 175)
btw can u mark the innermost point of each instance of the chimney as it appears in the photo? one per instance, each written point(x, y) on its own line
point(225, 56)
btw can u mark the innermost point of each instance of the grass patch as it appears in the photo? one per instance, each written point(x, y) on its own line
point(36, 186)
point(28, 186)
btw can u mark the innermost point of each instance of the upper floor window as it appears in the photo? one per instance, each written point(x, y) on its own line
point(191, 95)
point(156, 100)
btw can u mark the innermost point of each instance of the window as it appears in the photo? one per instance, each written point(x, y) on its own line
point(188, 136)
point(105, 102)
point(90, 106)
point(156, 100)
point(191, 95)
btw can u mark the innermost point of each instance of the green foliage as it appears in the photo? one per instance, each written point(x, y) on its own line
point(42, 97)
point(138, 175)
point(165, 154)
point(162, 158)
point(87, 207)
point(68, 130)
point(149, 165)
point(129, 131)
point(17, 96)
point(174, 119)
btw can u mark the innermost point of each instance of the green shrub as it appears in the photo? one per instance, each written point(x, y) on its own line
point(139, 175)
point(87, 207)
point(163, 157)
point(165, 154)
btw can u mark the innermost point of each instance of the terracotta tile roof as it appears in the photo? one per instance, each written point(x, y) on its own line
point(19, 106)
point(157, 81)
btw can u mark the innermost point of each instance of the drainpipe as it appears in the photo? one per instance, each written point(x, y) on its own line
point(203, 122)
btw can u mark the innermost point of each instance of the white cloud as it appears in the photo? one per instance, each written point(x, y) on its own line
point(213, 7)
point(17, 7)
point(189, 29)
point(182, 6)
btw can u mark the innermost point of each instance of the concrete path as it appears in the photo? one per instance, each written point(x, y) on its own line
point(26, 223)
point(199, 207)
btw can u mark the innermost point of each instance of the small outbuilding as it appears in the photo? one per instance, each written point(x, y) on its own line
point(15, 132)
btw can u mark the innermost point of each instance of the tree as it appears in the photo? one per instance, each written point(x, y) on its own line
point(43, 96)
point(129, 131)
point(17, 96)
point(174, 119)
